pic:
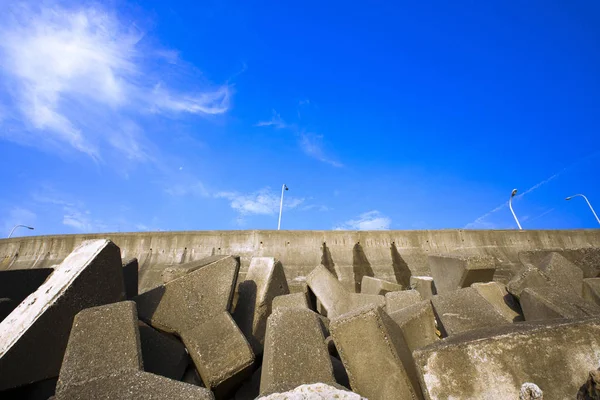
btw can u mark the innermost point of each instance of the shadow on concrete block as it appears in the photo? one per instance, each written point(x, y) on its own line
point(360, 266)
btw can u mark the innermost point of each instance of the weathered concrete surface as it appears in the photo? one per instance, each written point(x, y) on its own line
point(163, 354)
point(103, 360)
point(295, 352)
point(265, 280)
point(586, 258)
point(35, 335)
point(383, 254)
point(333, 297)
point(451, 272)
point(562, 271)
point(291, 300)
point(423, 285)
point(130, 277)
point(17, 284)
point(493, 363)
point(527, 276)
point(503, 302)
point(177, 271)
point(591, 290)
point(375, 355)
point(463, 310)
point(417, 323)
point(372, 285)
point(547, 302)
point(591, 389)
point(315, 391)
point(396, 301)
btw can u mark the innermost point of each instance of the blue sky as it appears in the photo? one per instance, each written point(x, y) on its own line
point(181, 115)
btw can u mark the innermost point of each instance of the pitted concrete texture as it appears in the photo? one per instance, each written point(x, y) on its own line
point(541, 303)
point(130, 277)
point(298, 300)
point(493, 363)
point(221, 354)
point(396, 301)
point(527, 276)
point(562, 272)
point(315, 391)
point(417, 323)
point(35, 334)
point(591, 290)
point(464, 310)
point(375, 355)
point(451, 272)
point(295, 352)
point(103, 360)
point(586, 259)
point(424, 285)
point(173, 272)
point(264, 281)
point(334, 299)
point(503, 302)
point(372, 285)
point(162, 353)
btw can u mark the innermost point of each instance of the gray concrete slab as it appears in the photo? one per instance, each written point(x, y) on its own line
point(527, 276)
point(563, 272)
point(375, 355)
point(451, 272)
point(295, 352)
point(35, 334)
point(417, 323)
point(370, 285)
point(586, 258)
point(294, 300)
point(547, 302)
point(503, 302)
point(463, 310)
point(173, 272)
point(591, 290)
point(264, 281)
point(395, 301)
point(162, 353)
point(494, 363)
point(130, 277)
point(424, 285)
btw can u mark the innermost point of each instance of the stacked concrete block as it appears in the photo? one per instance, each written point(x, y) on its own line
point(548, 302)
point(35, 334)
point(371, 285)
point(494, 363)
point(162, 353)
point(375, 355)
point(104, 360)
point(417, 323)
point(562, 272)
point(591, 290)
point(265, 280)
point(291, 300)
point(586, 259)
point(503, 302)
point(295, 352)
point(332, 296)
point(396, 301)
point(464, 310)
point(195, 307)
point(130, 277)
point(173, 272)
point(527, 276)
point(424, 285)
point(451, 272)
point(251, 388)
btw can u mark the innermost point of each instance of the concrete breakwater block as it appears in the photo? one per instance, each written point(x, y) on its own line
point(494, 363)
point(503, 302)
point(375, 355)
point(104, 360)
point(17, 284)
point(173, 272)
point(548, 302)
point(265, 280)
point(562, 272)
point(396, 301)
point(591, 290)
point(527, 276)
point(295, 352)
point(371, 285)
point(130, 277)
point(163, 354)
point(417, 323)
point(294, 300)
point(451, 272)
point(34, 335)
point(424, 285)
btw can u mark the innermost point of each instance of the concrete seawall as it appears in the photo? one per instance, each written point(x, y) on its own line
point(350, 254)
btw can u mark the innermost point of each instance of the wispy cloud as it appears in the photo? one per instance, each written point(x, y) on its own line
point(194, 189)
point(79, 75)
point(371, 220)
point(262, 202)
point(275, 121)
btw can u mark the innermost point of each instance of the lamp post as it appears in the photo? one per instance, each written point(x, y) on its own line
point(514, 192)
point(588, 203)
point(283, 188)
point(17, 226)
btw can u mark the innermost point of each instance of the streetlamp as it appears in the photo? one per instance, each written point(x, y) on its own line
point(283, 188)
point(514, 192)
point(588, 203)
point(17, 226)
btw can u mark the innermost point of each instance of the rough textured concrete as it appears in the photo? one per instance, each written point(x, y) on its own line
point(547, 302)
point(295, 352)
point(527, 276)
point(562, 271)
point(417, 323)
point(333, 298)
point(451, 272)
point(395, 301)
point(376, 358)
point(503, 302)
point(291, 300)
point(423, 285)
point(591, 290)
point(315, 391)
point(35, 335)
point(464, 310)
point(130, 277)
point(492, 364)
point(372, 285)
point(103, 360)
point(265, 280)
point(587, 259)
point(173, 272)
point(163, 354)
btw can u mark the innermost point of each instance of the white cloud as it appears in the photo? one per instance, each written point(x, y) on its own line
point(312, 145)
point(275, 122)
point(73, 75)
point(371, 220)
point(262, 202)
